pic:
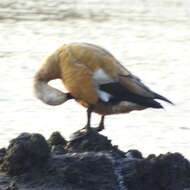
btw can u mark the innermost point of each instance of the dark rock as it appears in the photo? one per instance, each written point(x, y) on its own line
point(58, 149)
point(25, 152)
point(2, 152)
point(88, 162)
point(88, 170)
point(151, 156)
point(12, 186)
point(131, 154)
point(56, 139)
point(91, 141)
point(166, 172)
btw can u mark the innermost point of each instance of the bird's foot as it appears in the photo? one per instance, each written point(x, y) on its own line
point(81, 133)
point(86, 131)
point(99, 128)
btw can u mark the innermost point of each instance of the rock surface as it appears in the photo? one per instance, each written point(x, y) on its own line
point(90, 162)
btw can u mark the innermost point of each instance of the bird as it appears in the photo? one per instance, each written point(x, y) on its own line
point(95, 79)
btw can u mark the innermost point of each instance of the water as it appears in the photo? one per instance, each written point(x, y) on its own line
point(151, 38)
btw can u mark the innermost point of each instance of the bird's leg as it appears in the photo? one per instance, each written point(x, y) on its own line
point(89, 112)
point(87, 129)
point(84, 131)
point(101, 124)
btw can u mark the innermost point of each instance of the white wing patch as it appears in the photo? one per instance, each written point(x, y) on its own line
point(100, 77)
point(104, 96)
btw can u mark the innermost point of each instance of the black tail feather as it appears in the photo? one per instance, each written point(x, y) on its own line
point(151, 103)
point(158, 96)
point(120, 93)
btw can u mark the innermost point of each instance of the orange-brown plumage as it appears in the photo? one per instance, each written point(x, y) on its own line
point(95, 79)
point(78, 62)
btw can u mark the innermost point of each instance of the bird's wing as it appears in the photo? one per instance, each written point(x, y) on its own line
point(135, 85)
point(105, 69)
point(130, 88)
point(111, 70)
point(93, 73)
point(86, 67)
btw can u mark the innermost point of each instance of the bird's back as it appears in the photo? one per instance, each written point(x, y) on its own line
point(92, 57)
point(95, 77)
point(83, 66)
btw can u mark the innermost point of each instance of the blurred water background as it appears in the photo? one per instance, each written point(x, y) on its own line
point(151, 38)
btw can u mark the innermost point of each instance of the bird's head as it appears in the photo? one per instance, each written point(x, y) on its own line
point(50, 95)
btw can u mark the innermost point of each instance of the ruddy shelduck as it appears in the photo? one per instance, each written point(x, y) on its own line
point(95, 79)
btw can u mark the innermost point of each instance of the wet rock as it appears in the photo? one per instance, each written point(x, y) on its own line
point(88, 161)
point(91, 141)
point(132, 154)
point(88, 170)
point(57, 143)
point(167, 172)
point(2, 152)
point(56, 139)
point(12, 186)
point(58, 149)
point(25, 152)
